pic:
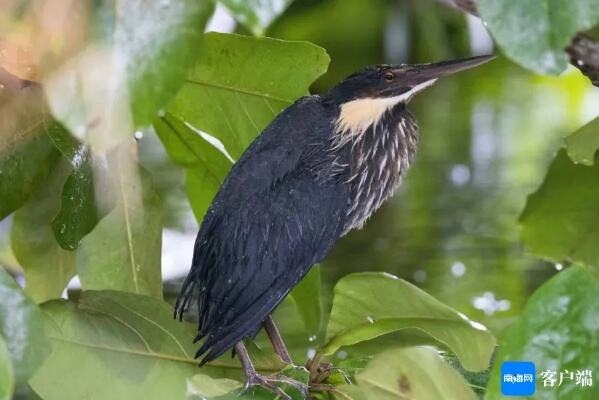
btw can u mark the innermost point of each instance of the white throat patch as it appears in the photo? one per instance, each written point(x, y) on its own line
point(358, 115)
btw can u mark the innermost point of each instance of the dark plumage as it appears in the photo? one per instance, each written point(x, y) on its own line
point(319, 170)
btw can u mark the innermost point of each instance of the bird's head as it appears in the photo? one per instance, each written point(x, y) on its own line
point(366, 95)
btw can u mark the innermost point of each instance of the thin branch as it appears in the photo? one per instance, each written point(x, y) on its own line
point(583, 50)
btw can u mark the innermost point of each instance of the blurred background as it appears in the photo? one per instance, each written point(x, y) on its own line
point(487, 137)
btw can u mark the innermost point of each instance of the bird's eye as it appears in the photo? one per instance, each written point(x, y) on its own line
point(389, 77)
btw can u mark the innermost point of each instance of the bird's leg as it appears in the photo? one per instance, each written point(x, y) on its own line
point(277, 341)
point(253, 379)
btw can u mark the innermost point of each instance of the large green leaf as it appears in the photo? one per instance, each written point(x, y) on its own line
point(206, 166)
point(409, 373)
point(237, 87)
point(307, 299)
point(123, 252)
point(136, 60)
point(48, 268)
point(560, 219)
point(256, 15)
point(118, 346)
point(22, 328)
point(535, 33)
point(7, 378)
point(557, 331)
point(369, 305)
point(583, 144)
point(26, 153)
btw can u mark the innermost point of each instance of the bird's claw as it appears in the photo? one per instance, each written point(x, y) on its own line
point(268, 383)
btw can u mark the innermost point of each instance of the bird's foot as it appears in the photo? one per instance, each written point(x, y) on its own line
point(269, 383)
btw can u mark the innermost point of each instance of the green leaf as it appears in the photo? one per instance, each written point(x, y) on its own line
point(369, 305)
point(583, 144)
point(241, 83)
point(237, 87)
point(123, 252)
point(204, 387)
point(307, 298)
point(114, 345)
point(22, 328)
point(410, 373)
point(206, 166)
point(48, 268)
point(26, 153)
point(118, 346)
point(78, 212)
point(7, 378)
point(560, 221)
point(555, 331)
point(256, 15)
point(535, 33)
point(136, 60)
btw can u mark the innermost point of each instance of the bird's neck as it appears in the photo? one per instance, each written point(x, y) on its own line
point(375, 160)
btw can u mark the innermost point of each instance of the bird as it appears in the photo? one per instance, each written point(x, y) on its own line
point(319, 170)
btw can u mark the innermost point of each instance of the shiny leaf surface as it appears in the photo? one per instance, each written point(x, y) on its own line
point(562, 224)
point(409, 373)
point(369, 305)
point(535, 33)
point(48, 268)
point(22, 328)
point(78, 212)
point(256, 15)
point(556, 331)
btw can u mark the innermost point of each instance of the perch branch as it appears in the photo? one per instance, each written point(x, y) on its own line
point(582, 50)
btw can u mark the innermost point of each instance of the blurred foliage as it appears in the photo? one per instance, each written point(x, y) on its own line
point(118, 119)
point(557, 331)
point(534, 33)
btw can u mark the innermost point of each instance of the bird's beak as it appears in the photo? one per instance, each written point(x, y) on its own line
point(421, 76)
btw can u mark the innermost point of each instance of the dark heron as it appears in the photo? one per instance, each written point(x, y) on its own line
point(319, 170)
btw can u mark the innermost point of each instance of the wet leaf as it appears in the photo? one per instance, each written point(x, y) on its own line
point(583, 144)
point(555, 331)
point(123, 251)
point(78, 213)
point(7, 379)
point(307, 299)
point(48, 268)
point(256, 15)
point(409, 373)
point(136, 60)
point(559, 221)
point(116, 345)
point(26, 153)
point(535, 33)
point(21, 326)
point(369, 305)
point(237, 87)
